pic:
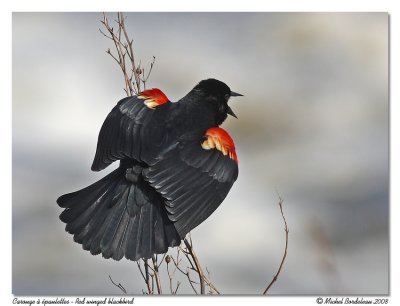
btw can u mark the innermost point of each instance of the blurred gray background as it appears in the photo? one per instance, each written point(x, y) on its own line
point(313, 125)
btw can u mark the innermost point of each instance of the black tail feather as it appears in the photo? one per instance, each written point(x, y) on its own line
point(119, 218)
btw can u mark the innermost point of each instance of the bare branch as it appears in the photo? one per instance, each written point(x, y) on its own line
point(121, 22)
point(190, 281)
point(109, 37)
point(171, 275)
point(162, 260)
point(112, 55)
point(126, 56)
point(152, 283)
point(157, 275)
point(177, 262)
point(144, 79)
point(210, 284)
point(286, 247)
point(141, 272)
point(187, 273)
point(146, 269)
point(199, 270)
point(194, 265)
point(189, 258)
point(118, 286)
point(121, 56)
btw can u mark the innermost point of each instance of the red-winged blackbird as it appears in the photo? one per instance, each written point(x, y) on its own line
point(176, 167)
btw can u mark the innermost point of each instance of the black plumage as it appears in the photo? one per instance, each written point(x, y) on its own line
point(176, 167)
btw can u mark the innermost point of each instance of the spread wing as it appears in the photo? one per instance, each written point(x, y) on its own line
point(194, 179)
point(133, 129)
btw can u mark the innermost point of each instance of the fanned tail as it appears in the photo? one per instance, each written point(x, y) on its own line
point(119, 218)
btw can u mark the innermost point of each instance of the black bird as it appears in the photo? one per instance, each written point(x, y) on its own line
point(176, 167)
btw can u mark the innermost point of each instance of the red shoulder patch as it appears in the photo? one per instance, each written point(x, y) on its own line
point(218, 138)
point(153, 97)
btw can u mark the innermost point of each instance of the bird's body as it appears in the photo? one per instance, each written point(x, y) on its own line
point(176, 167)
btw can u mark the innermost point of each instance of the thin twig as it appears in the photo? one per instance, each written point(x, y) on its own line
point(157, 275)
point(152, 283)
point(144, 79)
point(177, 287)
point(286, 248)
point(141, 272)
point(109, 37)
point(197, 263)
point(162, 260)
point(121, 54)
point(171, 275)
point(121, 22)
point(146, 269)
point(126, 56)
point(118, 286)
point(210, 284)
point(187, 273)
point(191, 282)
point(176, 263)
point(189, 258)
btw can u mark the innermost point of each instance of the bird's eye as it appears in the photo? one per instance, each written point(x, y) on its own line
point(227, 96)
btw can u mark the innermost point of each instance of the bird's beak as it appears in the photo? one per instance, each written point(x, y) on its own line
point(230, 112)
point(235, 94)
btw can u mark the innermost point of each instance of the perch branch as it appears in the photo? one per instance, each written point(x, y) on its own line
point(286, 247)
point(187, 273)
point(148, 282)
point(157, 275)
point(198, 268)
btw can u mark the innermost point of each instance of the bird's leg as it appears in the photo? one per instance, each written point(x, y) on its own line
point(132, 174)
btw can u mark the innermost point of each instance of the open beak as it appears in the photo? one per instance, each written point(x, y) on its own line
point(230, 112)
point(235, 94)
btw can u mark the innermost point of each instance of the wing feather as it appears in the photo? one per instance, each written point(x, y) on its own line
point(192, 180)
point(131, 130)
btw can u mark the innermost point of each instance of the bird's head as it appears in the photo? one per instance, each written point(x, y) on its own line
point(216, 94)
